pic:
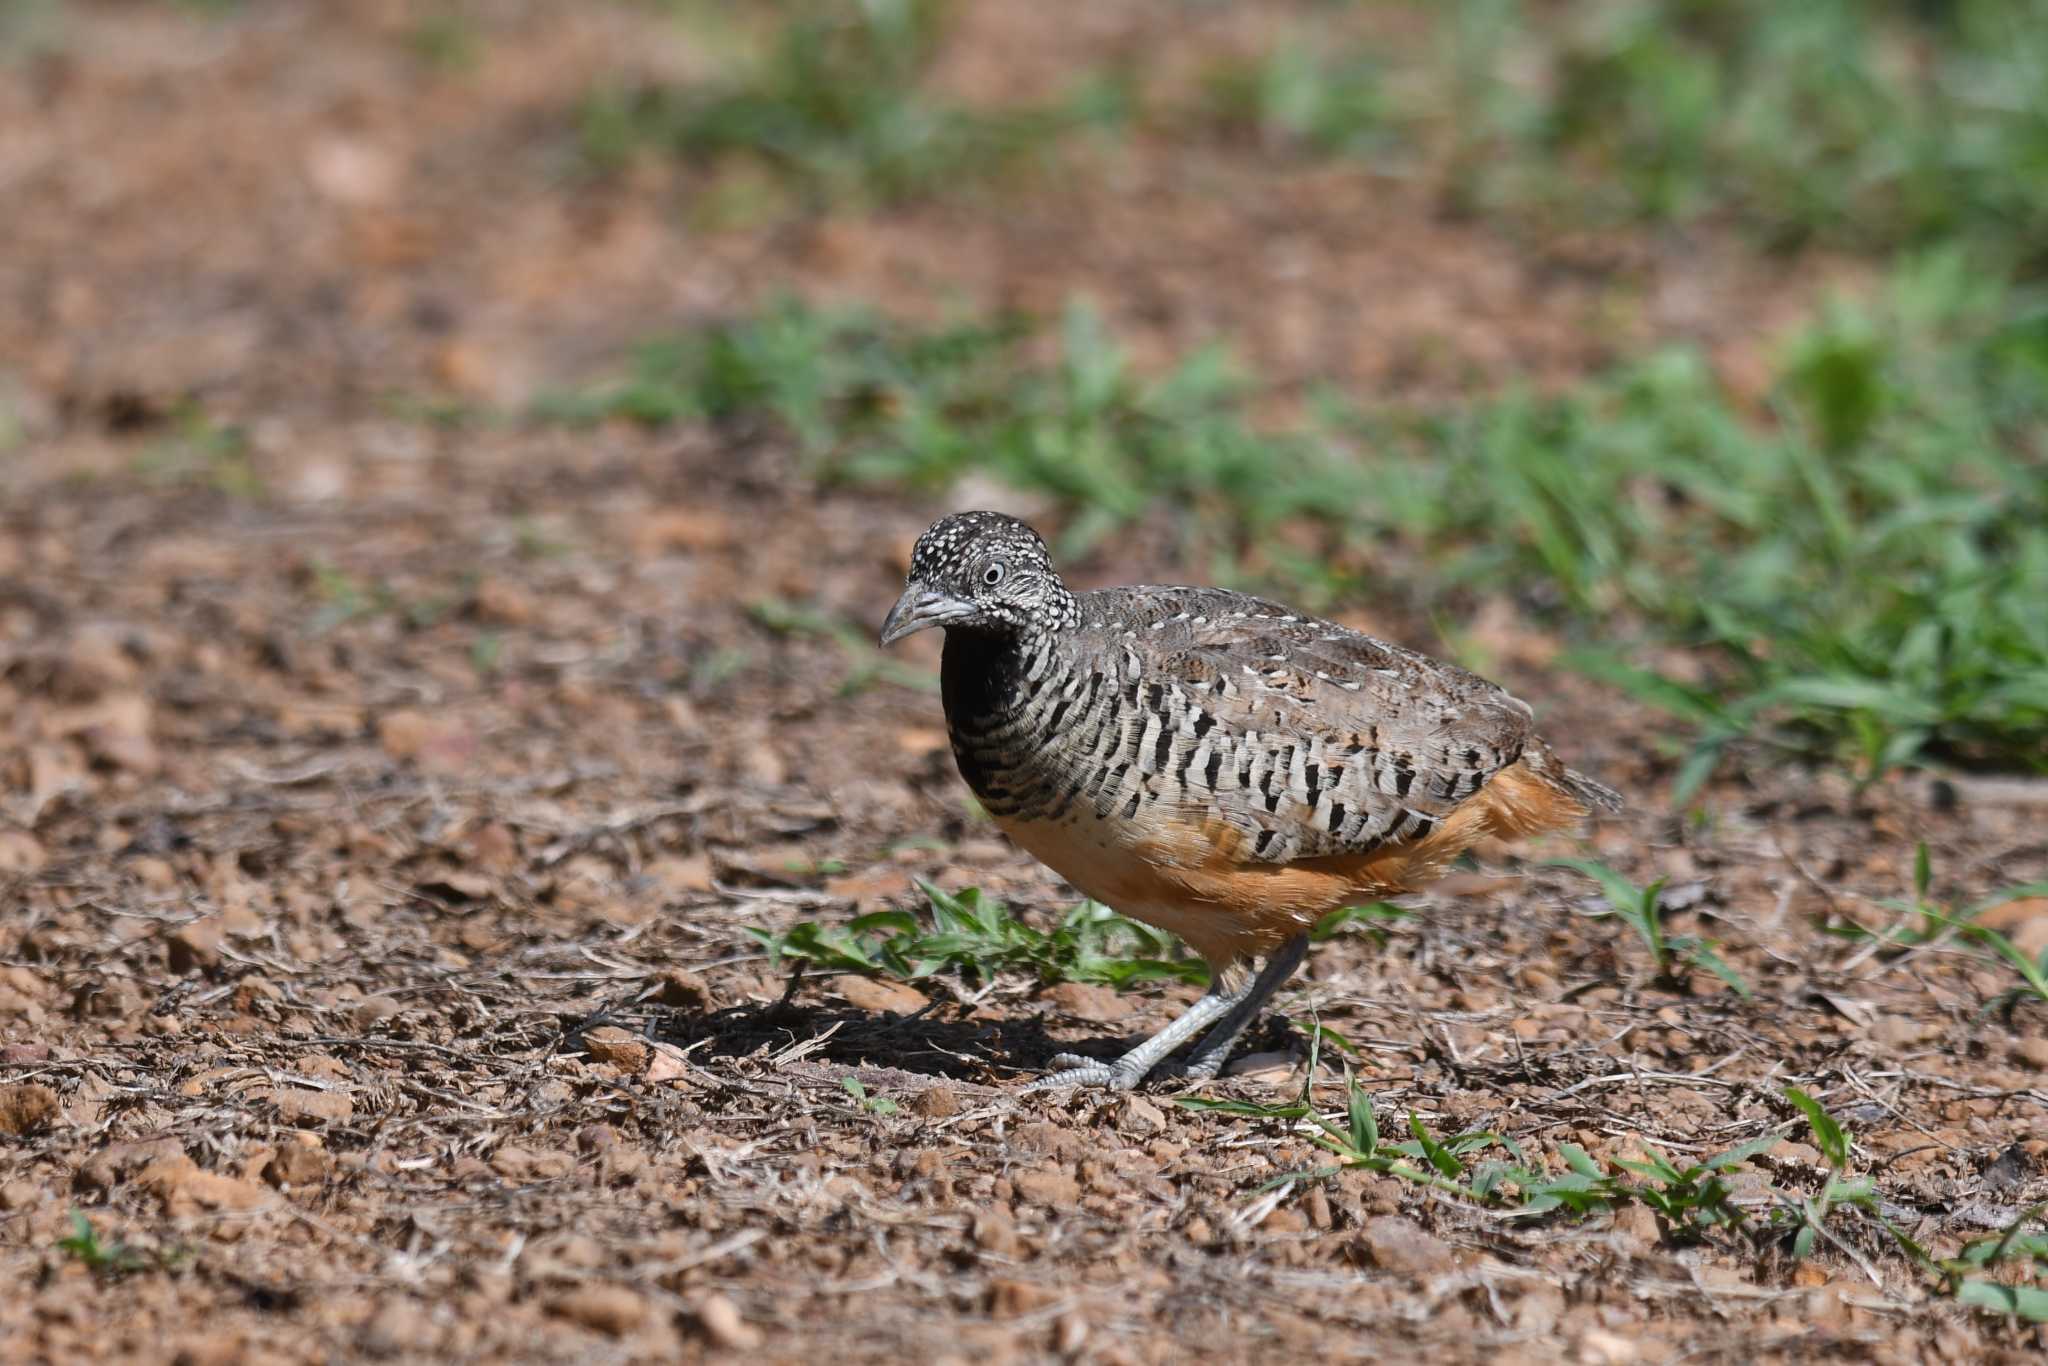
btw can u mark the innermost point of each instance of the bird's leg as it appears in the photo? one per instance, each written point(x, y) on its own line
point(1228, 1008)
point(1207, 1059)
point(1133, 1067)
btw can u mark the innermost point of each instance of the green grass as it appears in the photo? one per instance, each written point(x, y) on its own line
point(200, 452)
point(1301, 98)
point(976, 937)
point(1855, 573)
point(1693, 1201)
point(111, 1258)
point(837, 108)
point(344, 598)
point(1923, 920)
point(1641, 909)
point(865, 1103)
point(446, 42)
point(1857, 125)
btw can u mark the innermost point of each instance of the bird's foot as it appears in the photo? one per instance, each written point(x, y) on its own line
point(1071, 1069)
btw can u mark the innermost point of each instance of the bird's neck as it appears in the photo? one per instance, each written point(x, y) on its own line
point(986, 676)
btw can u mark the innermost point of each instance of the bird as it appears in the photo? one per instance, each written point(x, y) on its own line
point(1216, 765)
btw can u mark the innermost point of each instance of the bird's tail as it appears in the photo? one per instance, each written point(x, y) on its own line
point(1594, 796)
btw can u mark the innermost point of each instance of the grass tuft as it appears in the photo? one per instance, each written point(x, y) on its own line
point(1858, 576)
point(976, 937)
point(1836, 122)
point(1692, 1202)
point(836, 107)
point(1641, 909)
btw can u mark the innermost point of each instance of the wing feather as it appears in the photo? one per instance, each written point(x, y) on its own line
point(1303, 737)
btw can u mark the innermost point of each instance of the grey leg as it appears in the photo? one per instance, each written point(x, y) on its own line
point(1135, 1065)
point(1209, 1055)
point(1228, 1009)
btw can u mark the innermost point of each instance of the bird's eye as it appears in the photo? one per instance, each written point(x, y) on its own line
point(993, 575)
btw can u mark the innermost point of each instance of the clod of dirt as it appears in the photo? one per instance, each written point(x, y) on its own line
point(722, 1323)
point(1638, 1224)
point(116, 733)
point(1087, 1001)
point(1404, 1247)
point(295, 1164)
point(2032, 1052)
point(867, 993)
point(935, 1102)
point(609, 1309)
point(27, 1107)
point(185, 1188)
point(399, 1327)
point(684, 991)
point(1048, 1140)
point(20, 993)
point(1010, 1299)
point(1598, 1347)
point(1070, 1334)
point(994, 1232)
point(109, 1167)
point(20, 853)
point(194, 945)
point(667, 1064)
point(681, 875)
point(620, 1047)
point(1897, 1031)
point(515, 1163)
point(1051, 1185)
point(297, 1105)
point(352, 171)
point(1139, 1117)
point(437, 744)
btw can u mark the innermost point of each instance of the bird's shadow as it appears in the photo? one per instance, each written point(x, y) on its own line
point(942, 1041)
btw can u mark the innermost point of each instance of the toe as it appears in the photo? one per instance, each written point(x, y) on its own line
point(1091, 1074)
point(1079, 1071)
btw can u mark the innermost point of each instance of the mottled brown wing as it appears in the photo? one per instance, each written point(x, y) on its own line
point(1306, 738)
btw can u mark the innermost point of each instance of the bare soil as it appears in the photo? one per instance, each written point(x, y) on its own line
point(379, 825)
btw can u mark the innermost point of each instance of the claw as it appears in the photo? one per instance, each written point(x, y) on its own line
point(1075, 1070)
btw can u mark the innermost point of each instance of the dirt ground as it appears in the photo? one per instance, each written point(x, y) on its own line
point(382, 801)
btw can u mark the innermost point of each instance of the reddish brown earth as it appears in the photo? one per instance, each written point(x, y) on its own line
point(378, 832)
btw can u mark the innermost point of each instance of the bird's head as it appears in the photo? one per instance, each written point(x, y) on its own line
point(980, 571)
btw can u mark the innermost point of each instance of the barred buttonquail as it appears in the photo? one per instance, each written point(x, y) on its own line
point(1212, 763)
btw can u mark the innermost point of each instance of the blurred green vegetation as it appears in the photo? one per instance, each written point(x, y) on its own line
point(1857, 123)
point(836, 106)
point(1853, 564)
point(1861, 571)
point(1298, 96)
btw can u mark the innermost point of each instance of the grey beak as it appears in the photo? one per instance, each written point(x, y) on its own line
point(921, 607)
